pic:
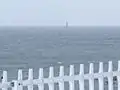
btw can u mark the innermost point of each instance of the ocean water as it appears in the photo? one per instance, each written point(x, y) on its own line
point(52, 46)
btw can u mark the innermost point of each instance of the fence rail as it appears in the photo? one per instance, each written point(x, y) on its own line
point(71, 78)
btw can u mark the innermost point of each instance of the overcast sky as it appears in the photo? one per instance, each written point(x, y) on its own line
point(56, 12)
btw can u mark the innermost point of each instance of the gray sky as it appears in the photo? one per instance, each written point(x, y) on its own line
point(56, 12)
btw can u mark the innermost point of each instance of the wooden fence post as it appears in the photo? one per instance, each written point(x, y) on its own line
point(4, 79)
point(81, 81)
point(118, 77)
point(30, 77)
point(18, 84)
point(101, 78)
point(110, 77)
point(14, 85)
point(71, 83)
point(41, 85)
point(61, 82)
point(91, 79)
point(20, 77)
point(51, 75)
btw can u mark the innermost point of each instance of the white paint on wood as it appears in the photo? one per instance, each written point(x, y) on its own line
point(71, 83)
point(101, 78)
point(118, 76)
point(91, 79)
point(41, 85)
point(61, 82)
point(4, 79)
point(81, 81)
point(110, 77)
point(30, 78)
point(20, 78)
point(91, 76)
point(51, 75)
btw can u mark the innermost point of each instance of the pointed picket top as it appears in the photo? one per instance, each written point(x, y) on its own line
point(40, 73)
point(91, 79)
point(100, 67)
point(4, 76)
point(51, 75)
point(110, 66)
point(61, 82)
point(41, 85)
point(91, 69)
point(71, 83)
point(101, 78)
point(51, 72)
point(30, 74)
point(81, 68)
point(71, 70)
point(81, 81)
point(110, 78)
point(18, 84)
point(30, 77)
point(20, 76)
point(61, 71)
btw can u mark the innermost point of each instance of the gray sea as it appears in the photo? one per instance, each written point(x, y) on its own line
point(41, 47)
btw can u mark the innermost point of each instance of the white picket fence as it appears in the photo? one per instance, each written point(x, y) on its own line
point(71, 78)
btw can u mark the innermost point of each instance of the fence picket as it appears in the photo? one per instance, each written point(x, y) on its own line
point(110, 77)
point(15, 85)
point(41, 85)
point(4, 80)
point(51, 75)
point(71, 83)
point(20, 77)
point(19, 83)
point(81, 81)
point(30, 78)
point(91, 79)
point(118, 77)
point(101, 78)
point(61, 82)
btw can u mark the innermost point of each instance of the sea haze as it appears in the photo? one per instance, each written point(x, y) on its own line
point(30, 47)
